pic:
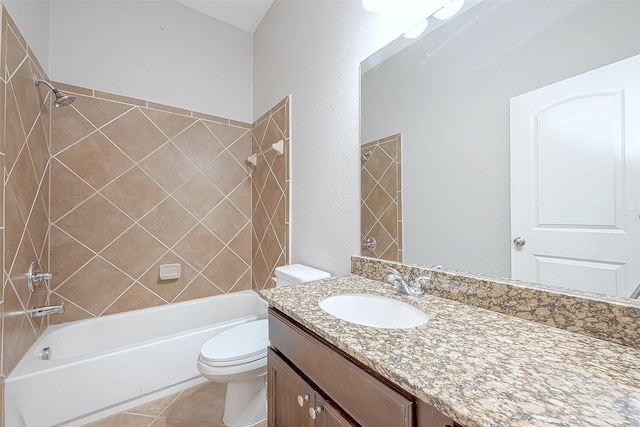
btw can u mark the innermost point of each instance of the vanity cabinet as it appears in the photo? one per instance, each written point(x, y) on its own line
point(311, 383)
point(293, 402)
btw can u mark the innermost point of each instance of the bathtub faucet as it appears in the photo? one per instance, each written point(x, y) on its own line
point(46, 310)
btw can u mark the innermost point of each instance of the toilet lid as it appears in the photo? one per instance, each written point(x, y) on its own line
point(242, 343)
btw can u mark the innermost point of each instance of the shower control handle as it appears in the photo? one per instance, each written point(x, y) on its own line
point(302, 399)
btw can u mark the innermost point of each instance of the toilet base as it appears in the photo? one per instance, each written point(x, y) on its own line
point(246, 402)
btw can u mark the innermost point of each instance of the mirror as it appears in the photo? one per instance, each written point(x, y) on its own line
point(448, 100)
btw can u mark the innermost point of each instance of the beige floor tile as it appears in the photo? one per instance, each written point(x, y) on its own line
point(155, 407)
point(204, 404)
point(123, 420)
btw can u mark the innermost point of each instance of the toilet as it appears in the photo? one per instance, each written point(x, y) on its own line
point(238, 357)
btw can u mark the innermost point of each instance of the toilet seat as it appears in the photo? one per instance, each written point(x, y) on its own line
point(240, 344)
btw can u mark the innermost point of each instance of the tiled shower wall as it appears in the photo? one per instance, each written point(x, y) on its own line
point(381, 197)
point(135, 185)
point(270, 195)
point(24, 140)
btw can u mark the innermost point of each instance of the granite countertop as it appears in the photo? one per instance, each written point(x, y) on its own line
point(479, 367)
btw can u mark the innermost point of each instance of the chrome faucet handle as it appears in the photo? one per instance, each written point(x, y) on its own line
point(393, 271)
point(415, 286)
point(35, 275)
point(423, 277)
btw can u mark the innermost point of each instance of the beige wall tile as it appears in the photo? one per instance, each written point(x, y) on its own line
point(134, 192)
point(225, 221)
point(134, 252)
point(67, 127)
point(67, 255)
point(68, 190)
point(168, 221)
point(96, 160)
point(169, 123)
point(119, 98)
point(99, 112)
point(225, 270)
point(135, 134)
point(198, 144)
point(134, 298)
point(26, 95)
point(227, 134)
point(198, 195)
point(200, 287)
point(95, 223)
point(225, 172)
point(198, 247)
point(15, 136)
point(169, 167)
point(95, 286)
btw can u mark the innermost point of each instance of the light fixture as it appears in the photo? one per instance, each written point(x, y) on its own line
point(449, 9)
point(416, 30)
point(374, 6)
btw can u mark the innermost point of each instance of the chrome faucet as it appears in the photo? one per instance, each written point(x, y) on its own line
point(406, 284)
point(46, 310)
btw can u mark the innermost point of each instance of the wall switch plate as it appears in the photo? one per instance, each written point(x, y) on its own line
point(169, 271)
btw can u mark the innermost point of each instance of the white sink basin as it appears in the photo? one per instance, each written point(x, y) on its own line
point(374, 310)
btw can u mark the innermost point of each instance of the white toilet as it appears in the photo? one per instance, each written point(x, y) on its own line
point(238, 357)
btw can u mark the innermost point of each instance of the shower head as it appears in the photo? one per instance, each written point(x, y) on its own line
point(62, 99)
point(365, 157)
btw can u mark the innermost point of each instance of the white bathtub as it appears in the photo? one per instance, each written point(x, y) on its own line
point(102, 366)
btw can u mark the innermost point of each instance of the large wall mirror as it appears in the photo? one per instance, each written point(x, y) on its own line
point(512, 132)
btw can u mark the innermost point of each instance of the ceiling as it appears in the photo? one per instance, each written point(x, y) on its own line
point(244, 14)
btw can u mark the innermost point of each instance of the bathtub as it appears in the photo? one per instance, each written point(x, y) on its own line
point(102, 366)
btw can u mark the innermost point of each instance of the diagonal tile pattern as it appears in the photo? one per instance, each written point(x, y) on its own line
point(270, 196)
point(139, 187)
point(381, 197)
point(24, 192)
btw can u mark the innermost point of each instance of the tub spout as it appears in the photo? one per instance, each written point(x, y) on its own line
point(46, 310)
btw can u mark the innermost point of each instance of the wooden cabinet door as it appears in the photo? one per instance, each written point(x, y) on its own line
point(330, 416)
point(289, 396)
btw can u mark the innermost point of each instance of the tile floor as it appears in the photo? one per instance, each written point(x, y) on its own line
point(199, 406)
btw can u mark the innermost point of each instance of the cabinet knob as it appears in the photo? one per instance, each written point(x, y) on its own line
point(314, 412)
point(302, 399)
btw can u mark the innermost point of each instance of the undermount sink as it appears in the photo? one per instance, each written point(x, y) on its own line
point(374, 310)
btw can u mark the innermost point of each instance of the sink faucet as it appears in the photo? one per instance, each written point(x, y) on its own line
point(406, 284)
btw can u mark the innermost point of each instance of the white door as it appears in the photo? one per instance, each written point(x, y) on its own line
point(575, 181)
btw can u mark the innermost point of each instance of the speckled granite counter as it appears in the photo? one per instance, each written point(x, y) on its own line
point(480, 367)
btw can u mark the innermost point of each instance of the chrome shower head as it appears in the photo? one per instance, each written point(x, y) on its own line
point(62, 99)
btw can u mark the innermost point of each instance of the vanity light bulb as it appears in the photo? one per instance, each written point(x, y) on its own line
point(449, 9)
point(417, 30)
point(373, 6)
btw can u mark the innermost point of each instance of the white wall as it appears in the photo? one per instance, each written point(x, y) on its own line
point(32, 18)
point(160, 51)
point(312, 50)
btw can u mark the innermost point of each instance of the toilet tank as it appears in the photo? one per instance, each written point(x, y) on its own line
point(298, 273)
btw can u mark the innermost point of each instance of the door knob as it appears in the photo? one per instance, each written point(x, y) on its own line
point(519, 241)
